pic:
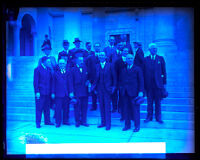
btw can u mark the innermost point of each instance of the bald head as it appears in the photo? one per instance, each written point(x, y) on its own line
point(102, 56)
point(153, 48)
point(129, 59)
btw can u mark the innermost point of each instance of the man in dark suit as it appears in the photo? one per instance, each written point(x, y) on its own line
point(65, 53)
point(80, 89)
point(110, 50)
point(155, 80)
point(88, 50)
point(74, 52)
point(91, 62)
point(113, 58)
point(139, 55)
point(42, 86)
point(126, 44)
point(105, 84)
point(119, 65)
point(46, 41)
point(62, 89)
point(132, 87)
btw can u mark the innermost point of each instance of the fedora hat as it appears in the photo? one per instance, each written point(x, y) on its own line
point(77, 40)
point(138, 100)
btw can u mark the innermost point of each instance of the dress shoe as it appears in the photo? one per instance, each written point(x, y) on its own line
point(147, 120)
point(38, 126)
point(107, 128)
point(77, 125)
point(100, 126)
point(126, 128)
point(57, 125)
point(160, 121)
point(85, 124)
point(66, 123)
point(49, 123)
point(136, 130)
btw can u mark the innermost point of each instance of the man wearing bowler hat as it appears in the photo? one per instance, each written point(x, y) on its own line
point(132, 88)
point(76, 50)
point(155, 80)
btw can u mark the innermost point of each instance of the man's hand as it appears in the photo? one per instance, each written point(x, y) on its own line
point(71, 95)
point(37, 95)
point(140, 94)
point(52, 95)
point(87, 83)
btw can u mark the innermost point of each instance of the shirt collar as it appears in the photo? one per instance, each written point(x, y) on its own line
point(154, 56)
point(43, 66)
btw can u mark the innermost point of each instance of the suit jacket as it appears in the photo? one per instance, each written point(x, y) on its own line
point(89, 53)
point(78, 81)
point(109, 79)
point(139, 58)
point(110, 52)
point(160, 75)
point(91, 62)
point(132, 81)
point(62, 83)
point(119, 65)
point(42, 80)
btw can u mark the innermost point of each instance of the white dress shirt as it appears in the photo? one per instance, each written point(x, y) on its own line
point(103, 64)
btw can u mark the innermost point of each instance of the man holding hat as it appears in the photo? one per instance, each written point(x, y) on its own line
point(42, 86)
point(62, 89)
point(80, 89)
point(132, 88)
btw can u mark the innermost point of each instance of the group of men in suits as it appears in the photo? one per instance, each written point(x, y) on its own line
point(114, 75)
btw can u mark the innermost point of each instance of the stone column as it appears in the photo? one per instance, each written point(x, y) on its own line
point(16, 48)
point(72, 24)
point(99, 26)
point(164, 30)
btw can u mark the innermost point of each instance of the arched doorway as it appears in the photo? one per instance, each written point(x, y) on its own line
point(26, 36)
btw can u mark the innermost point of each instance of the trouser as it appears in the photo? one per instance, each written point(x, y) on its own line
point(94, 100)
point(105, 108)
point(80, 110)
point(114, 98)
point(131, 111)
point(154, 96)
point(43, 106)
point(62, 106)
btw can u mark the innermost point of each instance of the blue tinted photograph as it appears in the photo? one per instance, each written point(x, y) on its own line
point(100, 82)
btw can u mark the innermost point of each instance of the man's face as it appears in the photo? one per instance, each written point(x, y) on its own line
point(97, 47)
point(125, 52)
point(79, 61)
point(66, 46)
point(102, 56)
point(153, 50)
point(120, 46)
point(47, 63)
point(89, 46)
point(112, 40)
point(62, 64)
point(129, 59)
point(47, 52)
point(77, 44)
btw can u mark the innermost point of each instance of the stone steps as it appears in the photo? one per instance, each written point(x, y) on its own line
point(143, 107)
point(31, 101)
point(168, 124)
